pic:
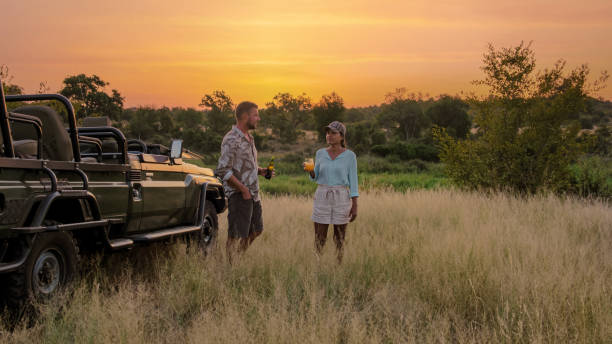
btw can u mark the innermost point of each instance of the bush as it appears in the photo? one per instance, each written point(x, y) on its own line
point(375, 165)
point(288, 164)
point(381, 150)
point(362, 136)
point(592, 177)
point(528, 135)
point(261, 141)
point(407, 151)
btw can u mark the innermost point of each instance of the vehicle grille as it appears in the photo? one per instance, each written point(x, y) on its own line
point(135, 175)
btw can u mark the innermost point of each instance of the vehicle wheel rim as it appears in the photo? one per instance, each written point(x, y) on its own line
point(47, 271)
point(207, 234)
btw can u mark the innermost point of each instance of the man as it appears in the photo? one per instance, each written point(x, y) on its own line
point(239, 170)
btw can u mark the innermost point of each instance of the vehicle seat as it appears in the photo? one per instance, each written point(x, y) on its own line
point(56, 141)
point(109, 144)
point(156, 148)
point(25, 149)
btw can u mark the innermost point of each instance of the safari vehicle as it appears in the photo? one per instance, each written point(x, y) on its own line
point(67, 191)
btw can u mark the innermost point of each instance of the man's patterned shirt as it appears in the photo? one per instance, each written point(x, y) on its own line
point(239, 159)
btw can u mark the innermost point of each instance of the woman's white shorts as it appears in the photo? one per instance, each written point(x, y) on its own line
point(332, 205)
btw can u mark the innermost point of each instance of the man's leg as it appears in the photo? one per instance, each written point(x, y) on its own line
point(320, 236)
point(256, 227)
point(239, 216)
point(339, 233)
point(230, 248)
point(252, 237)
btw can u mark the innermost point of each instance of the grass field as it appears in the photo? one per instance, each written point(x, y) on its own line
point(425, 266)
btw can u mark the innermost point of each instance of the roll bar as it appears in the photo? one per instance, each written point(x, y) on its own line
point(74, 136)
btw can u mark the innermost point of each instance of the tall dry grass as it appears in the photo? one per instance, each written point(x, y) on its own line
point(426, 266)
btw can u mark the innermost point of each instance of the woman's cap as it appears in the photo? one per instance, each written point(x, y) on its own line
point(337, 126)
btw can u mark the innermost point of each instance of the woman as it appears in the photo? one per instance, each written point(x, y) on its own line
point(335, 201)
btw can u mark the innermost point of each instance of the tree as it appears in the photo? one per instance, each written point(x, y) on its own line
point(527, 127)
point(330, 108)
point(6, 78)
point(403, 113)
point(286, 113)
point(188, 118)
point(219, 112)
point(89, 98)
point(450, 113)
point(362, 136)
point(151, 125)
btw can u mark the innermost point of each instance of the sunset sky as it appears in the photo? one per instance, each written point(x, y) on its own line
point(173, 52)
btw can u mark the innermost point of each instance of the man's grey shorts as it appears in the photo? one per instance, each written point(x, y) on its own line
point(244, 216)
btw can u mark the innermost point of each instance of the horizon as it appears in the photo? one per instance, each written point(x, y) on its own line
point(159, 54)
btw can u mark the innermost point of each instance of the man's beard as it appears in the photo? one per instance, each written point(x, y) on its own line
point(251, 125)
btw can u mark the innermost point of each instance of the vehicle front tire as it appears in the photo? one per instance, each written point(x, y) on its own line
point(207, 236)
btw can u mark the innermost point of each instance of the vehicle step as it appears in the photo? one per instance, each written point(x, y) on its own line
point(164, 233)
point(120, 243)
point(74, 193)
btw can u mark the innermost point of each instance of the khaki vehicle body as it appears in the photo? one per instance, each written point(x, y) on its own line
point(65, 192)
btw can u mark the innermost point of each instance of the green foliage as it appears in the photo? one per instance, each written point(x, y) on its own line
point(361, 136)
point(403, 113)
point(330, 108)
point(527, 128)
point(89, 98)
point(188, 118)
point(601, 141)
point(301, 185)
point(450, 113)
point(261, 140)
point(407, 151)
point(598, 112)
point(149, 124)
point(592, 176)
point(368, 113)
point(286, 114)
point(374, 173)
point(7, 86)
point(219, 115)
point(288, 185)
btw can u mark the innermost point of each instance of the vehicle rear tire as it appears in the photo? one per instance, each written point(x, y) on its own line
point(51, 265)
point(207, 236)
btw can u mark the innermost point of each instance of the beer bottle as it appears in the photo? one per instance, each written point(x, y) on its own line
point(270, 169)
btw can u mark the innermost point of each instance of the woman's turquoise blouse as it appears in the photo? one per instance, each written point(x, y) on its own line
point(340, 171)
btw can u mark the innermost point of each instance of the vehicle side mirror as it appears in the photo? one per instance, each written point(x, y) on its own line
point(176, 149)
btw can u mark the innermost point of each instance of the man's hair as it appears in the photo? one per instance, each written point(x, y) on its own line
point(244, 107)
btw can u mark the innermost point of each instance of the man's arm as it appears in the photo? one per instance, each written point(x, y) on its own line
point(226, 160)
point(236, 184)
point(226, 164)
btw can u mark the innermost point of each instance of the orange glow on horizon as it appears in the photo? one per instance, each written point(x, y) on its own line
point(159, 53)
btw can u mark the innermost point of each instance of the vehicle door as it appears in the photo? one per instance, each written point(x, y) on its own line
point(163, 193)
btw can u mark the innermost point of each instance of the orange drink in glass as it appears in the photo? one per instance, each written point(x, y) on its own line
point(309, 165)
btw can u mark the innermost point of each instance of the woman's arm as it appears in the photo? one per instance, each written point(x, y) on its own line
point(352, 177)
point(353, 212)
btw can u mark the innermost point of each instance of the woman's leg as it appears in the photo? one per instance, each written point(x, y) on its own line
point(339, 233)
point(320, 235)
